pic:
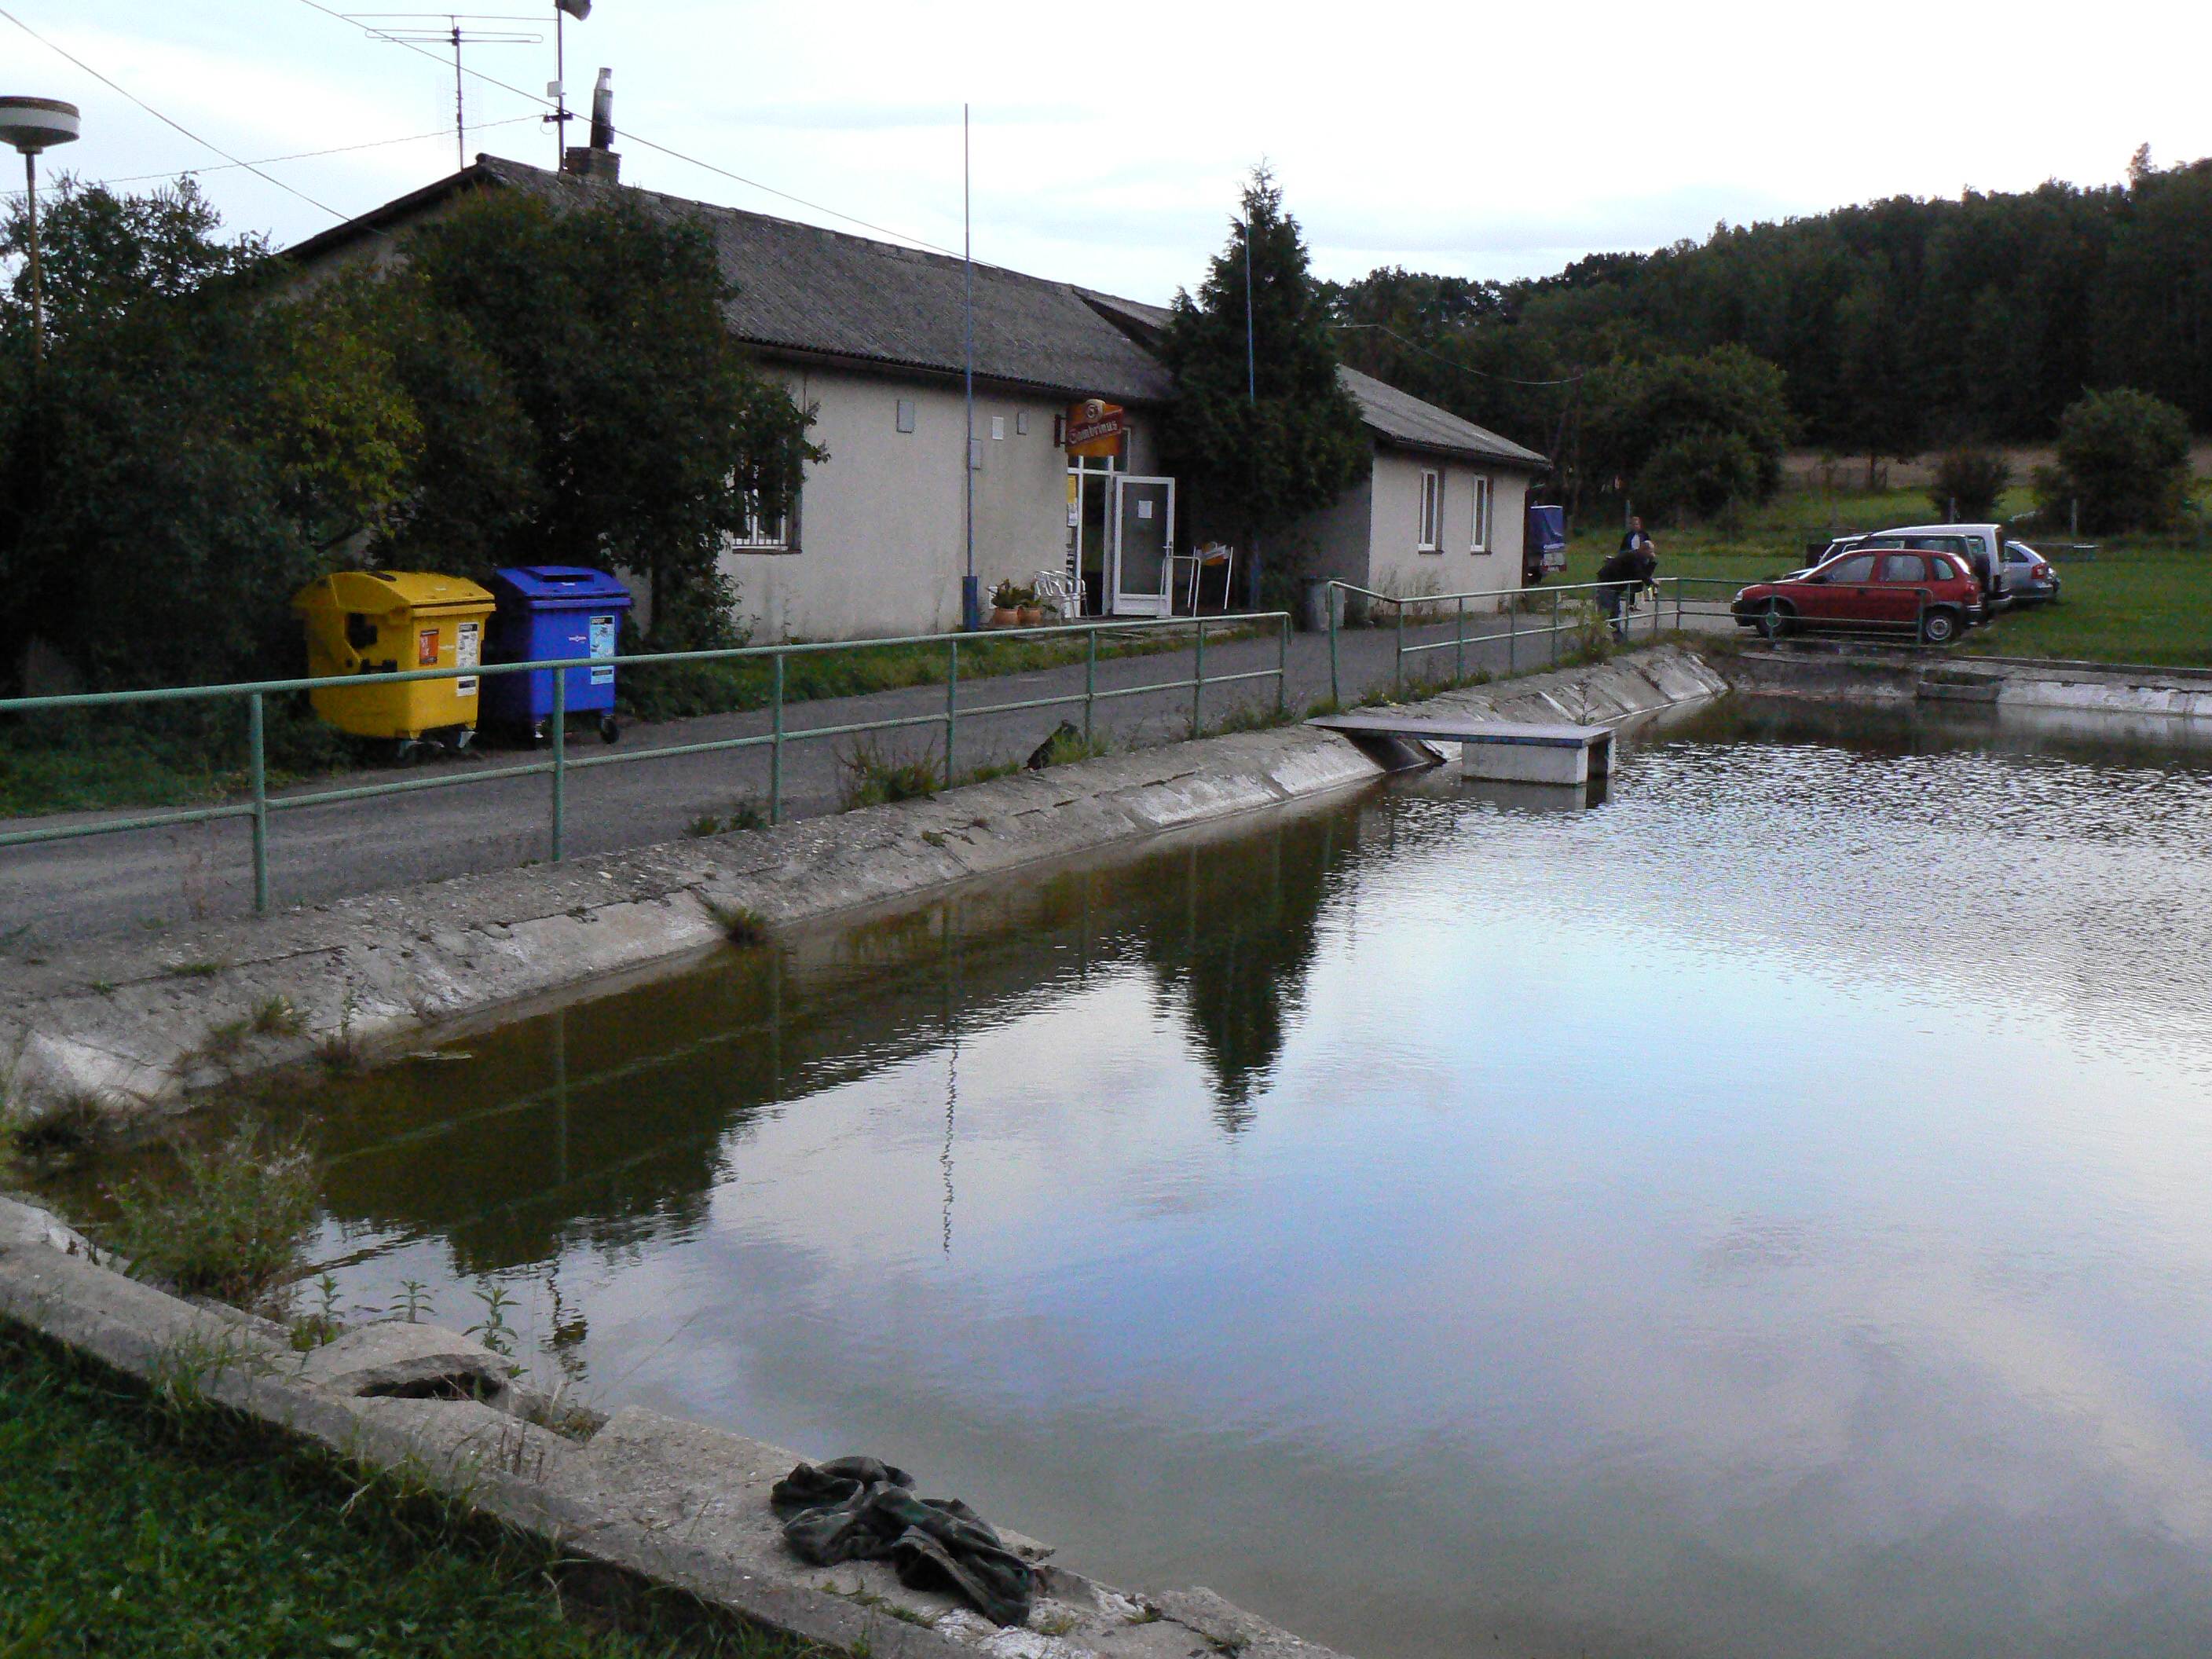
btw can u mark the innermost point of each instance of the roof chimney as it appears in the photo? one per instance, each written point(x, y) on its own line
point(598, 160)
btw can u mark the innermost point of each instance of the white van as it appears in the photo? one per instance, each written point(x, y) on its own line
point(1977, 543)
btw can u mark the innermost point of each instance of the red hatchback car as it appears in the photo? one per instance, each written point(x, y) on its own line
point(1929, 596)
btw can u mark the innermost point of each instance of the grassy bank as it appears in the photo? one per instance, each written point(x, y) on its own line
point(2142, 599)
point(130, 1529)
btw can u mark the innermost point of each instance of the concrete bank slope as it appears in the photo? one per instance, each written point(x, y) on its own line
point(1847, 674)
point(641, 1494)
point(128, 1027)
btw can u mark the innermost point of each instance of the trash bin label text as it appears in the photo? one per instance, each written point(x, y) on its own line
point(468, 652)
point(426, 648)
point(603, 645)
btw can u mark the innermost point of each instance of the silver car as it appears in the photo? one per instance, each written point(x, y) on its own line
point(2027, 576)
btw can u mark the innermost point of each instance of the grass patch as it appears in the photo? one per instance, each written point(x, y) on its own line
point(195, 970)
point(229, 1224)
point(130, 1529)
point(873, 777)
point(745, 815)
point(743, 927)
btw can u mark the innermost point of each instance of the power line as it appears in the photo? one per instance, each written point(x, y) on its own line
point(250, 166)
point(635, 137)
point(304, 155)
point(1463, 368)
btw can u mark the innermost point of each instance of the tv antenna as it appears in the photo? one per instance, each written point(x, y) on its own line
point(418, 29)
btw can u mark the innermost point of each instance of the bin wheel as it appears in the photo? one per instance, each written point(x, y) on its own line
point(537, 739)
point(609, 732)
point(462, 738)
point(405, 749)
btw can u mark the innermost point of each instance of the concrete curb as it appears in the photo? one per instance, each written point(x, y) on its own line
point(2074, 688)
point(127, 1029)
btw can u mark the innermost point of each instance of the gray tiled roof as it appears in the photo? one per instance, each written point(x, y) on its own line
point(1401, 417)
point(803, 289)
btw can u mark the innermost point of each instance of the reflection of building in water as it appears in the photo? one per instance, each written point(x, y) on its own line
point(609, 1124)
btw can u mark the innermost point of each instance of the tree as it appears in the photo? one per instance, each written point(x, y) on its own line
point(1257, 464)
point(1690, 435)
point(1968, 485)
point(646, 437)
point(2124, 457)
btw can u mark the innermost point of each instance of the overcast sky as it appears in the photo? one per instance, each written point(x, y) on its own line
point(1110, 140)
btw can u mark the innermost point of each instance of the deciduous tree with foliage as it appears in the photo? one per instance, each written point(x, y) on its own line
point(2123, 456)
point(1257, 463)
point(1690, 435)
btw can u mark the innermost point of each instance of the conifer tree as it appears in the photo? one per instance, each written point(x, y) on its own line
point(1264, 445)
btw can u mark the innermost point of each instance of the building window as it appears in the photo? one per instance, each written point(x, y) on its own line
point(764, 535)
point(906, 414)
point(1021, 422)
point(1479, 536)
point(1431, 494)
point(997, 428)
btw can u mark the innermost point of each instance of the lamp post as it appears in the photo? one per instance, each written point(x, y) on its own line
point(32, 125)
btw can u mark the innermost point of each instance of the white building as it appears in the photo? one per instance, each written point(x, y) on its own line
point(870, 334)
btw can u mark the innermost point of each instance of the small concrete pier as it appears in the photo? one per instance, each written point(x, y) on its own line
point(1499, 750)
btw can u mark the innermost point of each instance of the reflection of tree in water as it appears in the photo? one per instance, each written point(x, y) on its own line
point(1238, 930)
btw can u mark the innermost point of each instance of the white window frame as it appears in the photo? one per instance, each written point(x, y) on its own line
point(1432, 505)
point(758, 537)
point(1478, 531)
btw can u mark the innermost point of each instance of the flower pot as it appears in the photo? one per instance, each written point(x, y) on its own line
point(1032, 614)
point(1005, 615)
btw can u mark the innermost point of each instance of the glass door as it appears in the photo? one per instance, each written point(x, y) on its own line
point(1141, 536)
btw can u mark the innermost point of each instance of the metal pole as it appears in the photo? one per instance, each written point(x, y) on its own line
point(1554, 629)
point(1198, 687)
point(775, 745)
point(1335, 691)
point(951, 705)
point(1089, 685)
point(560, 763)
point(560, 98)
point(1512, 634)
point(460, 130)
point(1398, 663)
point(971, 607)
point(1459, 641)
point(1283, 668)
point(37, 291)
point(259, 773)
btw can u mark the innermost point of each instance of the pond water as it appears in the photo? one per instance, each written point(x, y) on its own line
point(1765, 1213)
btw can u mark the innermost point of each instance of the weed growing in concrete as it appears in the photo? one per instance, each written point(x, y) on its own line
point(1250, 717)
point(493, 1330)
point(873, 777)
point(230, 1225)
point(743, 927)
point(744, 815)
point(222, 1041)
point(195, 970)
point(105, 987)
point(340, 1051)
point(1067, 745)
point(414, 1300)
point(74, 1124)
point(310, 1330)
point(276, 1017)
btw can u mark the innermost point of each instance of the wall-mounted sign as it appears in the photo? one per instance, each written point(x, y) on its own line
point(1095, 428)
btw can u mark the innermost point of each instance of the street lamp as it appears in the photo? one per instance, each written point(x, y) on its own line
point(32, 125)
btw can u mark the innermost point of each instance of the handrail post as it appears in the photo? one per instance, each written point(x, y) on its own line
point(1459, 640)
point(1678, 604)
point(1090, 683)
point(1335, 691)
point(1398, 662)
point(1198, 685)
point(1554, 629)
point(260, 776)
point(1512, 635)
point(560, 763)
point(775, 742)
point(951, 703)
point(1283, 666)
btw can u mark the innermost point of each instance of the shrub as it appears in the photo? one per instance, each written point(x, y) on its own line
point(1699, 474)
point(2124, 457)
point(230, 1226)
point(873, 777)
point(1968, 484)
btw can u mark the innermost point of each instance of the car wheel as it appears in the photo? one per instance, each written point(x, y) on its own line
point(1939, 626)
point(1774, 621)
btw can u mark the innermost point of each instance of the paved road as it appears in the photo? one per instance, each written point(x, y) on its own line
point(159, 878)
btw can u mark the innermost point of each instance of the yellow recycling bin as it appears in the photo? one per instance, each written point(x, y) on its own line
point(386, 621)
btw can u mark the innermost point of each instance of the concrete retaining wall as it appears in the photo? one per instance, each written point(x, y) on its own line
point(2180, 694)
point(130, 1027)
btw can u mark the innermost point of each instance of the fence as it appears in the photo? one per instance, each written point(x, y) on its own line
point(260, 804)
point(1687, 600)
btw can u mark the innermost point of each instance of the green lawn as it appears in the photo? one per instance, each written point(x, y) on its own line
point(126, 1530)
point(2142, 599)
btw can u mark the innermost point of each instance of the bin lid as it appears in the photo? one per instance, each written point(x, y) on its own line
point(562, 586)
point(379, 592)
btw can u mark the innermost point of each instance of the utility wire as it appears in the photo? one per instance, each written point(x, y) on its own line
point(252, 167)
point(304, 155)
point(1463, 368)
point(635, 137)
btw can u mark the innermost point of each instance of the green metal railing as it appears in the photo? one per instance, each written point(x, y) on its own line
point(1692, 600)
point(558, 765)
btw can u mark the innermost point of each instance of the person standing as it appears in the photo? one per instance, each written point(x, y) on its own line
point(1632, 566)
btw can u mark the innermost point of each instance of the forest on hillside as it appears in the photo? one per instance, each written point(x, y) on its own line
point(1898, 327)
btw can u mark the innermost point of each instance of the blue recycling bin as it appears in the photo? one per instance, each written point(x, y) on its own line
point(553, 611)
